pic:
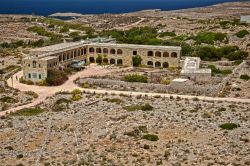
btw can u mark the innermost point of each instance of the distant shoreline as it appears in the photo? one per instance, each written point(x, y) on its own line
point(101, 9)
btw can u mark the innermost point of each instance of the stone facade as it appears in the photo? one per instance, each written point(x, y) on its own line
point(61, 56)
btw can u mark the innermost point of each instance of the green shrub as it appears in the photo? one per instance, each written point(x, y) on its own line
point(8, 99)
point(62, 100)
point(28, 112)
point(229, 126)
point(137, 60)
point(145, 107)
point(209, 37)
point(237, 62)
point(242, 33)
point(167, 34)
point(76, 92)
point(244, 77)
point(151, 137)
point(76, 97)
point(218, 71)
point(31, 93)
point(56, 77)
point(136, 78)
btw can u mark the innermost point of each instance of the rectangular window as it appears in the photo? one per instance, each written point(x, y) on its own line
point(29, 75)
point(134, 52)
point(34, 75)
point(40, 76)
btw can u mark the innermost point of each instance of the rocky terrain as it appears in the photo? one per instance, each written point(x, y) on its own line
point(89, 129)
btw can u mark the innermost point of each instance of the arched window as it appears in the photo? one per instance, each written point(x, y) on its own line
point(150, 53)
point(119, 51)
point(174, 55)
point(105, 60)
point(165, 54)
point(157, 64)
point(158, 54)
point(150, 63)
point(165, 65)
point(92, 60)
point(105, 51)
point(99, 50)
point(112, 61)
point(91, 50)
point(112, 51)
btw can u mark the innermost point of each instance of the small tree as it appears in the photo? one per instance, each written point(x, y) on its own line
point(99, 59)
point(137, 60)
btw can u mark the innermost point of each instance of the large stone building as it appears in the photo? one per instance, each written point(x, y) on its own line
point(59, 56)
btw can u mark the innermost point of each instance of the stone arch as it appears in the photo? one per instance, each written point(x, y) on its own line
point(91, 59)
point(60, 58)
point(74, 53)
point(157, 64)
point(91, 50)
point(105, 51)
point(71, 54)
point(165, 54)
point(112, 61)
point(119, 51)
point(85, 50)
point(119, 62)
point(79, 52)
point(64, 57)
point(158, 54)
point(112, 51)
point(174, 55)
point(150, 63)
point(150, 53)
point(99, 50)
point(67, 55)
point(105, 60)
point(165, 65)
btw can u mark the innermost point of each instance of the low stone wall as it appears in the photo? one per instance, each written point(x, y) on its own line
point(182, 88)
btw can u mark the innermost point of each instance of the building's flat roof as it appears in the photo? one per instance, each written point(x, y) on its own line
point(48, 58)
point(57, 47)
point(134, 46)
point(198, 71)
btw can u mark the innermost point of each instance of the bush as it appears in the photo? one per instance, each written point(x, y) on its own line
point(136, 78)
point(151, 137)
point(76, 97)
point(209, 37)
point(167, 34)
point(76, 92)
point(55, 77)
point(242, 33)
point(8, 99)
point(218, 71)
point(146, 107)
point(137, 60)
point(244, 77)
point(229, 126)
point(28, 112)
point(31, 93)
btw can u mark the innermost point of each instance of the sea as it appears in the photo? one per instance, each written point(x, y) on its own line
point(47, 7)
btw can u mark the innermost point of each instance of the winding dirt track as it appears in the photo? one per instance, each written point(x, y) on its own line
point(69, 85)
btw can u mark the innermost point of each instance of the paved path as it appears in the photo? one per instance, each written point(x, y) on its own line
point(69, 85)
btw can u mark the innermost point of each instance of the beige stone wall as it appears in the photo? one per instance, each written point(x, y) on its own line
point(114, 54)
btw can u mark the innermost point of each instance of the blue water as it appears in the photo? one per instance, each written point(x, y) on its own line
point(47, 7)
